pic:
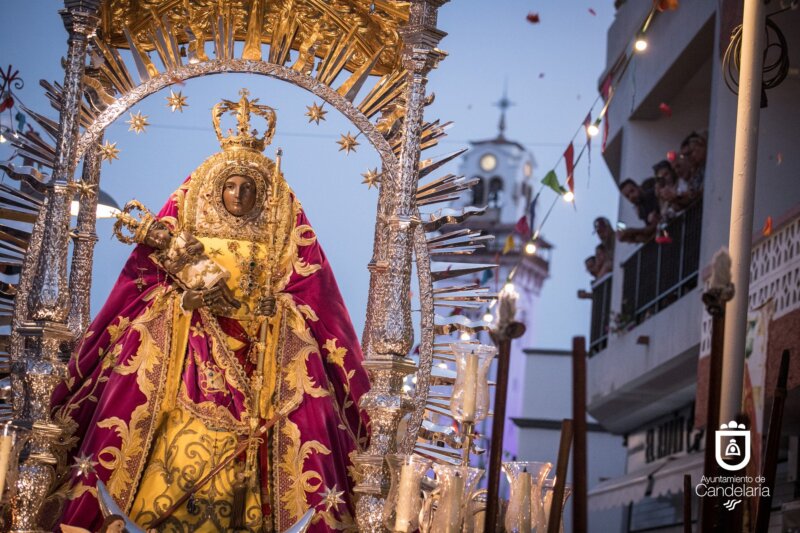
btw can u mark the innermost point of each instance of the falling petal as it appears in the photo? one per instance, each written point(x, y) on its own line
point(665, 109)
point(779, 158)
point(672, 156)
point(592, 12)
point(766, 231)
point(533, 18)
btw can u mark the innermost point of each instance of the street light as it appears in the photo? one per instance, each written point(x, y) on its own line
point(107, 207)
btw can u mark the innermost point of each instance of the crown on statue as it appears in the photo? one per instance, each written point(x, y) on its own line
point(138, 228)
point(244, 137)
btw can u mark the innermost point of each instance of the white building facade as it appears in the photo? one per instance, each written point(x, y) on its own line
point(647, 374)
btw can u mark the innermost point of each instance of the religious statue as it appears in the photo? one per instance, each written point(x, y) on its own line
point(225, 335)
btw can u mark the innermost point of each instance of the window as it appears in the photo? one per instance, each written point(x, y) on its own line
point(496, 192)
point(479, 192)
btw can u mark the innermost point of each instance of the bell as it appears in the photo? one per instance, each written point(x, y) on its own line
point(733, 449)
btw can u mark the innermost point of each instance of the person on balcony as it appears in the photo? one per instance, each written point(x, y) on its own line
point(647, 208)
point(603, 261)
point(694, 148)
point(604, 231)
point(591, 266)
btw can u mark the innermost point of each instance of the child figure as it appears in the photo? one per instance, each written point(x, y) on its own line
point(181, 256)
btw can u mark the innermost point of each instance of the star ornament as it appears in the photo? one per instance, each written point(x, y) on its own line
point(109, 152)
point(176, 101)
point(137, 122)
point(371, 178)
point(331, 498)
point(84, 465)
point(315, 113)
point(347, 143)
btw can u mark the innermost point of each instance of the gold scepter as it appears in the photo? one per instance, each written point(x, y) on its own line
point(239, 493)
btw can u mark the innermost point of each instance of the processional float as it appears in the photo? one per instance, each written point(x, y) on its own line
point(119, 52)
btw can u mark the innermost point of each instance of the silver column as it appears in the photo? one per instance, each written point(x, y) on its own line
point(84, 238)
point(39, 368)
point(385, 358)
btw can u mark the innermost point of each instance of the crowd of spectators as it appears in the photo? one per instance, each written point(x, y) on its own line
point(676, 183)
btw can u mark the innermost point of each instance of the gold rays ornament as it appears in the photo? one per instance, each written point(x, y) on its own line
point(137, 122)
point(109, 152)
point(347, 143)
point(315, 113)
point(176, 101)
point(371, 178)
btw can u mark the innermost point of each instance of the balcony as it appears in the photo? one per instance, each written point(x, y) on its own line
point(638, 367)
point(601, 311)
point(658, 274)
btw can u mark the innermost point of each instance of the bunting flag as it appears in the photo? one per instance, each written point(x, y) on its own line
point(20, 118)
point(605, 91)
point(509, 245)
point(569, 161)
point(486, 276)
point(586, 123)
point(551, 180)
point(522, 228)
point(7, 103)
point(532, 210)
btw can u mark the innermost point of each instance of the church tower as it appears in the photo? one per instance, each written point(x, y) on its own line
point(506, 185)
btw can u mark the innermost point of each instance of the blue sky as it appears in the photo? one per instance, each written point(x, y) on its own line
point(551, 69)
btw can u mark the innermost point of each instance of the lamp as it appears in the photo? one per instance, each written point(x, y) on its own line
point(107, 207)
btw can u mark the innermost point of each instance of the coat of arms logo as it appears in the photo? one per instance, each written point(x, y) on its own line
point(732, 446)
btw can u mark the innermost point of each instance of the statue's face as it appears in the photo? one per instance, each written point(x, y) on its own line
point(158, 237)
point(239, 195)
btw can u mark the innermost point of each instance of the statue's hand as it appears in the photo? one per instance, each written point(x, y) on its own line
point(193, 245)
point(219, 299)
point(266, 306)
point(192, 300)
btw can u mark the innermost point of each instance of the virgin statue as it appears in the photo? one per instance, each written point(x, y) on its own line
point(223, 352)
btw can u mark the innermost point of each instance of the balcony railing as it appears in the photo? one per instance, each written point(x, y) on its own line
point(601, 311)
point(659, 274)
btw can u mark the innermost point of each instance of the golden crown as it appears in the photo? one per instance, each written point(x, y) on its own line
point(244, 137)
point(138, 227)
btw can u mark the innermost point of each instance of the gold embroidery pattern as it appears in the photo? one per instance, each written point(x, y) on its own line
point(149, 364)
point(185, 451)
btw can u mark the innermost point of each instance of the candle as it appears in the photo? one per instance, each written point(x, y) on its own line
point(524, 495)
point(6, 442)
point(407, 492)
point(470, 388)
point(451, 505)
point(548, 501)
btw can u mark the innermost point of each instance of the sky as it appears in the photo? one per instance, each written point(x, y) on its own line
point(550, 70)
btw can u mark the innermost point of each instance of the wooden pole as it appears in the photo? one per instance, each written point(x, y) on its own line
point(715, 301)
point(579, 452)
point(557, 504)
point(773, 446)
point(503, 341)
point(687, 503)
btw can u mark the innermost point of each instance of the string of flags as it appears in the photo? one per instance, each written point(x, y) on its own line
point(590, 127)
